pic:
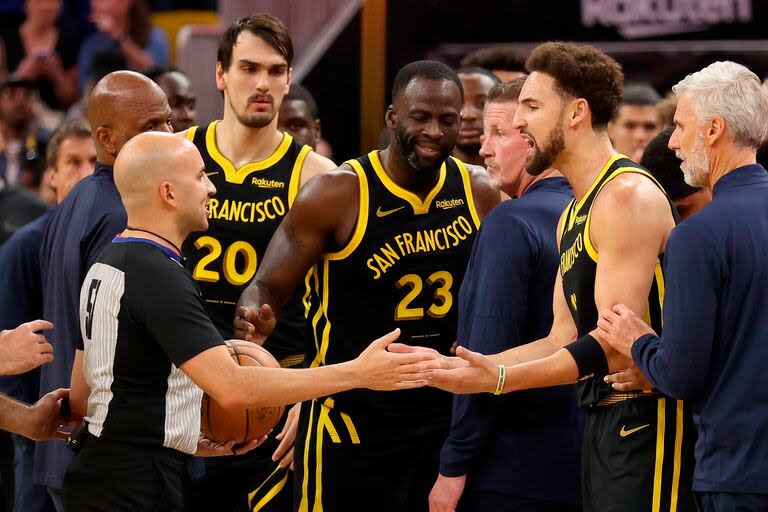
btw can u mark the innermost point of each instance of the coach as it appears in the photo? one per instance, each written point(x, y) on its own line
point(715, 343)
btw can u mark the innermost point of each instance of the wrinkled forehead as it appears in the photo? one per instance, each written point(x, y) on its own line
point(430, 95)
point(500, 113)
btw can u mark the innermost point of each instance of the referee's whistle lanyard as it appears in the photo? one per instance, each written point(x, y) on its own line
point(178, 256)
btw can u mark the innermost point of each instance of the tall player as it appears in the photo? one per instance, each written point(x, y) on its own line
point(388, 236)
point(612, 237)
point(257, 171)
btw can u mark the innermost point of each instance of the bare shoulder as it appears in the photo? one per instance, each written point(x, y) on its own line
point(315, 164)
point(484, 191)
point(337, 184)
point(631, 207)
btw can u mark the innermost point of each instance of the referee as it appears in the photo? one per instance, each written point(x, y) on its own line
point(148, 344)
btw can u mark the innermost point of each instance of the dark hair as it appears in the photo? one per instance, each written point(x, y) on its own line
point(74, 128)
point(640, 94)
point(507, 91)
point(427, 69)
point(582, 71)
point(664, 165)
point(264, 26)
point(139, 25)
point(506, 58)
point(300, 93)
point(477, 70)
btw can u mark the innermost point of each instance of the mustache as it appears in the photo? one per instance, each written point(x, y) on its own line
point(253, 98)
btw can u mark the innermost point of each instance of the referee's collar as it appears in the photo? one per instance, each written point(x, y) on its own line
point(168, 252)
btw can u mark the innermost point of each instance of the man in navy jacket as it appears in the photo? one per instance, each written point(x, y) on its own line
point(122, 105)
point(522, 451)
point(715, 342)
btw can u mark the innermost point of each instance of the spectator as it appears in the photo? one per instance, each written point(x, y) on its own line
point(476, 82)
point(44, 52)
point(104, 63)
point(666, 109)
point(664, 165)
point(506, 62)
point(71, 156)
point(637, 121)
point(181, 97)
point(17, 208)
point(123, 26)
point(299, 116)
point(22, 142)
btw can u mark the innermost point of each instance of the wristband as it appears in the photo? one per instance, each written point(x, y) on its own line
point(589, 356)
point(501, 380)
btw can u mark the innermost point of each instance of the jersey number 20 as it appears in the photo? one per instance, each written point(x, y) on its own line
point(235, 276)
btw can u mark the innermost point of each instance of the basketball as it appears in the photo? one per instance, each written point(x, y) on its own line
point(240, 424)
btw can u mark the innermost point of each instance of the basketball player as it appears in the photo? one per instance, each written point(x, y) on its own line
point(388, 237)
point(612, 237)
point(257, 171)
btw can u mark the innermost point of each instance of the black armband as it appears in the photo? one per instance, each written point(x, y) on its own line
point(589, 356)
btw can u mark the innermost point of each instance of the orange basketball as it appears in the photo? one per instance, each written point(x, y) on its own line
point(240, 424)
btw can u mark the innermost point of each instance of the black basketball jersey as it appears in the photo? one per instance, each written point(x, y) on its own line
point(249, 204)
point(403, 267)
point(578, 267)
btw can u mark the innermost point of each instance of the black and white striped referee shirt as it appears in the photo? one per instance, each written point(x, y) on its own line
point(142, 316)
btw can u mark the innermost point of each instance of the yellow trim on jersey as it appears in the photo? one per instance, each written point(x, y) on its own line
point(318, 313)
point(191, 131)
point(620, 170)
point(238, 176)
point(660, 287)
point(465, 179)
point(304, 505)
point(320, 356)
point(362, 216)
point(605, 168)
point(419, 207)
point(656, 503)
point(350, 428)
point(307, 293)
point(678, 456)
point(298, 166)
point(274, 491)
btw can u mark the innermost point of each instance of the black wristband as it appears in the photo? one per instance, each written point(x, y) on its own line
point(589, 356)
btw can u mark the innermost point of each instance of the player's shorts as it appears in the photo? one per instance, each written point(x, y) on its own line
point(344, 462)
point(638, 456)
point(275, 493)
point(122, 477)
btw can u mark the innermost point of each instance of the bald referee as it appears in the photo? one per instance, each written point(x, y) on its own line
point(149, 348)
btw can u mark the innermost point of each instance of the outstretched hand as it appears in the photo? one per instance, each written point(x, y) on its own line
point(23, 349)
point(383, 370)
point(254, 324)
point(478, 375)
point(446, 362)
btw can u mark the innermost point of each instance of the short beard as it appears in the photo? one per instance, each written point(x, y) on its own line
point(695, 165)
point(408, 152)
point(259, 120)
point(543, 159)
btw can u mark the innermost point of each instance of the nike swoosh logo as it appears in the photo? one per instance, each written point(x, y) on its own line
point(380, 213)
point(624, 432)
point(211, 173)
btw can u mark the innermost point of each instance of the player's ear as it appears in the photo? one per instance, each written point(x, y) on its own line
point(220, 84)
point(579, 111)
point(391, 117)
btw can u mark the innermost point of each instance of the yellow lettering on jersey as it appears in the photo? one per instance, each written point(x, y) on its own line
point(422, 241)
point(245, 211)
point(569, 256)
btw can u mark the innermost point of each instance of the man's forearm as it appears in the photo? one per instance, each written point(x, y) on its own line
point(532, 351)
point(557, 369)
point(261, 387)
point(12, 414)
